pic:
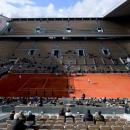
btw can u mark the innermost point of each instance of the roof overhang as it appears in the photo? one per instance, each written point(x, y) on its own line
point(122, 11)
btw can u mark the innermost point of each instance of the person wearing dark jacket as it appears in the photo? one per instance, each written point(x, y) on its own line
point(99, 117)
point(11, 116)
point(22, 116)
point(31, 117)
point(88, 116)
point(18, 124)
point(62, 112)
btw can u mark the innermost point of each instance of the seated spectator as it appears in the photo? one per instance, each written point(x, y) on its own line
point(99, 117)
point(18, 124)
point(31, 117)
point(68, 114)
point(11, 116)
point(62, 112)
point(41, 102)
point(83, 96)
point(22, 116)
point(88, 116)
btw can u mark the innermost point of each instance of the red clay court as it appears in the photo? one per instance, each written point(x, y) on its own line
point(50, 85)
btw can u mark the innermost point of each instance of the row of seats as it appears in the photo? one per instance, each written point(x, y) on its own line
point(66, 48)
point(68, 67)
point(67, 126)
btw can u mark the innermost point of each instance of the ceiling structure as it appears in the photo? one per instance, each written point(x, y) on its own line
point(121, 11)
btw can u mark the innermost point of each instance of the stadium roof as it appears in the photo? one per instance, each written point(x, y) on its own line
point(122, 11)
point(58, 8)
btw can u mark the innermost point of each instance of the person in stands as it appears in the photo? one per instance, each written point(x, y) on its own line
point(11, 116)
point(68, 114)
point(31, 117)
point(99, 117)
point(83, 96)
point(88, 116)
point(62, 112)
point(22, 116)
point(18, 124)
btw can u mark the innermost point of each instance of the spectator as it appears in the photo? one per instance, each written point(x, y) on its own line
point(11, 116)
point(18, 124)
point(69, 114)
point(99, 117)
point(88, 116)
point(22, 116)
point(83, 96)
point(62, 112)
point(41, 102)
point(31, 117)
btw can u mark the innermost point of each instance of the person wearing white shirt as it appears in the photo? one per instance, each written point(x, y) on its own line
point(68, 114)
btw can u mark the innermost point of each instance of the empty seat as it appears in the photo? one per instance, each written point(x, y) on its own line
point(53, 117)
point(81, 126)
point(46, 126)
point(89, 122)
point(57, 126)
point(69, 121)
point(61, 118)
point(108, 117)
point(110, 123)
point(126, 127)
point(9, 121)
point(127, 123)
point(122, 119)
point(79, 122)
point(39, 122)
point(105, 127)
point(50, 121)
point(9, 127)
point(114, 119)
point(59, 122)
point(43, 129)
point(93, 127)
point(116, 127)
point(120, 123)
point(69, 126)
point(3, 125)
point(78, 118)
point(70, 129)
point(100, 123)
point(56, 129)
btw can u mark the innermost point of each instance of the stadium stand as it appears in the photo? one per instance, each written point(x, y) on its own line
point(75, 64)
point(62, 56)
